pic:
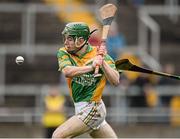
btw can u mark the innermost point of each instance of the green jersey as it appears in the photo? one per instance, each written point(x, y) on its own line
point(86, 87)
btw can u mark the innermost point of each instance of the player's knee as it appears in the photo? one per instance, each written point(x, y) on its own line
point(54, 135)
point(58, 134)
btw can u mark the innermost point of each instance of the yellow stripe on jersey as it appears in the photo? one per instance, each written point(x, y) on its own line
point(69, 80)
point(98, 92)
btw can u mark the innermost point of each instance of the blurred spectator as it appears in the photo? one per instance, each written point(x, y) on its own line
point(147, 96)
point(152, 99)
point(140, 100)
point(175, 111)
point(168, 68)
point(54, 111)
point(115, 41)
point(167, 98)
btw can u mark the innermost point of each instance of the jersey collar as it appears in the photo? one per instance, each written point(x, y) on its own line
point(89, 48)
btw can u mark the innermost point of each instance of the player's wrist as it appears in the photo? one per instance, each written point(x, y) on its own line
point(102, 66)
point(92, 67)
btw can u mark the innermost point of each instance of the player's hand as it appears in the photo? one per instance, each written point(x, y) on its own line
point(102, 49)
point(97, 61)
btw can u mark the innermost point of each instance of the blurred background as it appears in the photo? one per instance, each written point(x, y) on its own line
point(145, 31)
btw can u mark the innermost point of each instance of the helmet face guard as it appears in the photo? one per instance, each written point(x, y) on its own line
point(77, 30)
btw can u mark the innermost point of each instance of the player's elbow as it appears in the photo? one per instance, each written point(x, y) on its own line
point(55, 135)
point(58, 134)
point(67, 72)
point(67, 75)
point(115, 83)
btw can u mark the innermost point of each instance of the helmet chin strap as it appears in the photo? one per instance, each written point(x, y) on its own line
point(75, 51)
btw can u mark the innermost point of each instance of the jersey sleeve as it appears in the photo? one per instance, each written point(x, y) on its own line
point(110, 61)
point(63, 60)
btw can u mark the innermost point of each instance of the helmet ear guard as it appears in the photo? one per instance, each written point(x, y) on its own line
point(85, 40)
point(77, 41)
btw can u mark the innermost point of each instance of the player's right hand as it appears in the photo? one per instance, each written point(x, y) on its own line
point(97, 61)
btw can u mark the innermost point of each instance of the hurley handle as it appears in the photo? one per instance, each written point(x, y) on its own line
point(96, 72)
point(107, 13)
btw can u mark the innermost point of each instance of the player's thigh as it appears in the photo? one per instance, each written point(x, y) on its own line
point(71, 128)
point(105, 131)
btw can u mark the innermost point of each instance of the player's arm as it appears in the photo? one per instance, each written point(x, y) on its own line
point(71, 71)
point(105, 63)
point(111, 74)
point(108, 66)
point(68, 69)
